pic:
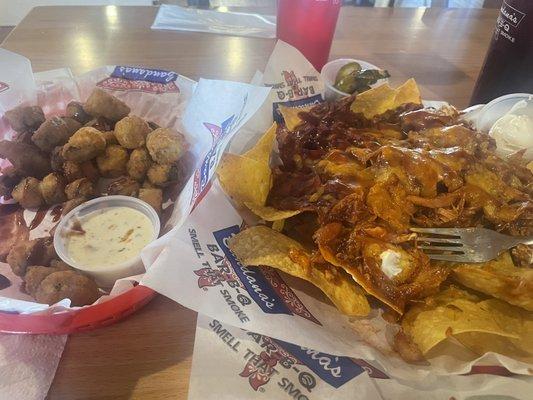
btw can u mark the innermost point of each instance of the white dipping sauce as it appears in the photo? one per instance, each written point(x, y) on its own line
point(514, 131)
point(109, 237)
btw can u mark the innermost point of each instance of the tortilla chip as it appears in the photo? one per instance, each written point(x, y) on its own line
point(499, 278)
point(278, 225)
point(421, 273)
point(260, 245)
point(518, 349)
point(455, 311)
point(247, 178)
point(482, 343)
point(244, 179)
point(262, 149)
point(291, 117)
point(383, 98)
point(270, 213)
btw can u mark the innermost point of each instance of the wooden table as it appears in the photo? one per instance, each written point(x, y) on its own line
point(148, 356)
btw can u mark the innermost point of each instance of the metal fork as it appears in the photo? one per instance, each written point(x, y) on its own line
point(465, 244)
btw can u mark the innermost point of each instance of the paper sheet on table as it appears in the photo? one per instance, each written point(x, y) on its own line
point(173, 17)
point(28, 364)
point(197, 269)
point(164, 97)
point(230, 363)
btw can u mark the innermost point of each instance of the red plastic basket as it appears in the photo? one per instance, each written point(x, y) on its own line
point(81, 320)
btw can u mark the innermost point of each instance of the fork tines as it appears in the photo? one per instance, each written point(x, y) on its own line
point(435, 242)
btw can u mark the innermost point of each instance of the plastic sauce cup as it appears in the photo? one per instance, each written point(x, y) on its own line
point(497, 108)
point(329, 74)
point(107, 276)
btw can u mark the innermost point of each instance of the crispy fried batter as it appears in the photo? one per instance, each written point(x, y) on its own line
point(82, 187)
point(31, 252)
point(139, 163)
point(131, 132)
point(154, 197)
point(59, 285)
point(24, 118)
point(84, 145)
point(112, 163)
point(101, 103)
point(165, 145)
point(27, 159)
point(53, 189)
point(124, 186)
point(28, 193)
point(52, 132)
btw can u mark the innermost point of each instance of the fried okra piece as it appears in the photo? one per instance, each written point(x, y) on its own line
point(100, 123)
point(60, 265)
point(27, 159)
point(162, 175)
point(72, 171)
point(72, 124)
point(70, 205)
point(165, 145)
point(8, 180)
point(110, 137)
point(84, 145)
point(80, 289)
point(139, 163)
point(153, 125)
point(101, 103)
point(112, 163)
point(28, 193)
point(23, 137)
point(82, 187)
point(53, 132)
point(35, 274)
point(56, 159)
point(124, 186)
point(131, 132)
point(53, 189)
point(31, 252)
point(148, 185)
point(154, 197)
point(24, 118)
point(90, 170)
point(75, 111)
point(18, 257)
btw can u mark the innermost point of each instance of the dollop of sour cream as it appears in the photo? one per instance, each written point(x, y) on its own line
point(109, 237)
point(514, 130)
point(390, 263)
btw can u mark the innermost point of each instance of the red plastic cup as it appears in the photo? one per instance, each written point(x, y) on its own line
point(309, 26)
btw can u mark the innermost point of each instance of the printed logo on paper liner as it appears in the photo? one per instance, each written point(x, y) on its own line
point(122, 84)
point(141, 79)
point(263, 284)
point(144, 74)
point(333, 370)
point(202, 175)
point(3, 86)
point(294, 92)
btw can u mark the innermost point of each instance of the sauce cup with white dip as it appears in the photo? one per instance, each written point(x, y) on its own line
point(104, 237)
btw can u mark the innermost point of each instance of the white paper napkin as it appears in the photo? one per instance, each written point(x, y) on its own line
point(28, 364)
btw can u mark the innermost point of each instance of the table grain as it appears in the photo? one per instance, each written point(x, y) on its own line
point(148, 356)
